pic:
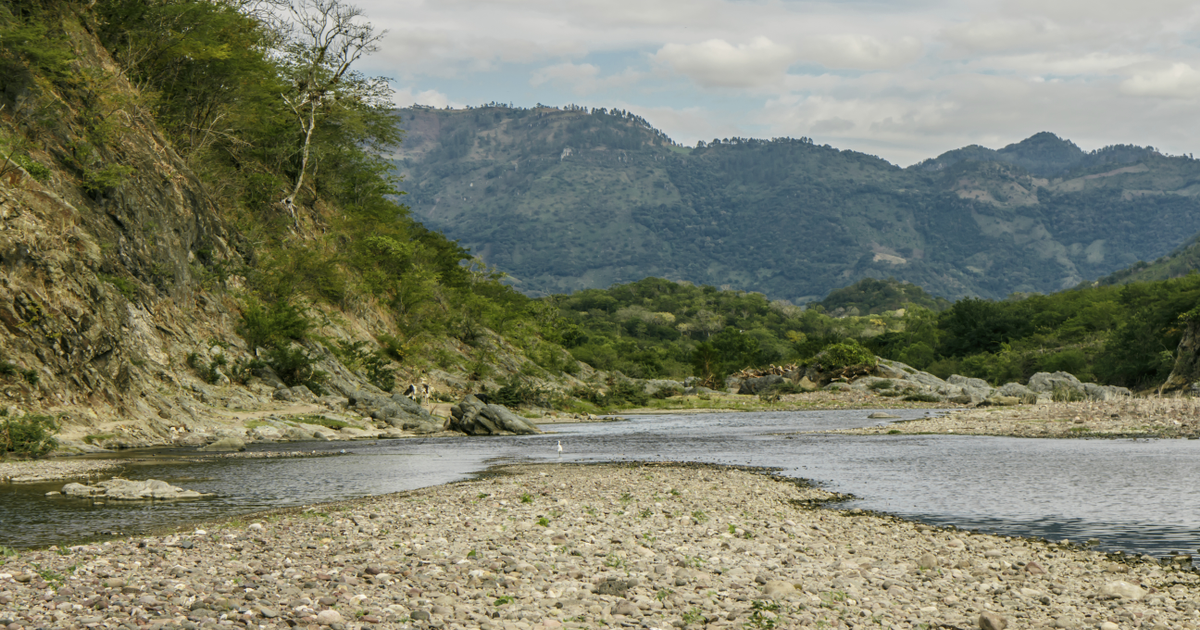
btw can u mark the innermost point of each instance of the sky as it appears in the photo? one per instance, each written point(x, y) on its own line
point(903, 79)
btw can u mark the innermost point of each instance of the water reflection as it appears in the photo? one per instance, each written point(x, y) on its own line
point(1137, 496)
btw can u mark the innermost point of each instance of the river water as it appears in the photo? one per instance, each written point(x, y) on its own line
point(1134, 495)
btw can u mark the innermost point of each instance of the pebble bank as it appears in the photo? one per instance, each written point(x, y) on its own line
point(601, 546)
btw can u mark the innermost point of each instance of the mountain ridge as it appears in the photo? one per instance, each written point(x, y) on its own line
point(563, 200)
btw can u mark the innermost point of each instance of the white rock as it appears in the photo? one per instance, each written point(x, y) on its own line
point(1123, 590)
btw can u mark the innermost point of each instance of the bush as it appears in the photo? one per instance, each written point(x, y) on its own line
point(209, 372)
point(295, 367)
point(30, 436)
point(840, 356)
point(273, 325)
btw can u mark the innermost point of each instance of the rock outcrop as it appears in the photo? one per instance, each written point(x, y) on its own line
point(118, 489)
point(1185, 376)
point(398, 411)
point(475, 417)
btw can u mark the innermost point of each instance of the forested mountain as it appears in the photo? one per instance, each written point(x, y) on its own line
point(566, 199)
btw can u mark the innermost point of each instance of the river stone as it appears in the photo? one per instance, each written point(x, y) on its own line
point(928, 561)
point(1108, 625)
point(882, 415)
point(992, 621)
point(1122, 590)
point(627, 608)
point(329, 617)
point(779, 589)
point(1033, 568)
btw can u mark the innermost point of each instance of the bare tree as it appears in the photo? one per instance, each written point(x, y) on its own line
point(320, 41)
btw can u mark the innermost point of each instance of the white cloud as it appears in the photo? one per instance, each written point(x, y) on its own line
point(582, 78)
point(406, 98)
point(861, 52)
point(905, 79)
point(717, 63)
point(1178, 80)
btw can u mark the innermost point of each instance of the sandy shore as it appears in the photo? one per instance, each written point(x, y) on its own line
point(564, 546)
point(1129, 417)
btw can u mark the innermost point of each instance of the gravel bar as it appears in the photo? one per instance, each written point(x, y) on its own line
point(591, 546)
point(1120, 418)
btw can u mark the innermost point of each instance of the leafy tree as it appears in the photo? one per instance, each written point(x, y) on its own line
point(322, 39)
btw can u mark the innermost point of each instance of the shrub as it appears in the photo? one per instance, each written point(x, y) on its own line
point(31, 436)
point(840, 356)
point(273, 325)
point(922, 397)
point(209, 372)
point(295, 367)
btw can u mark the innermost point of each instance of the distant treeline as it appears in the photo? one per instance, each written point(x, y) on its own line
point(657, 328)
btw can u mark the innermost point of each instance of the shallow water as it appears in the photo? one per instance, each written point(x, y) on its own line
point(1138, 496)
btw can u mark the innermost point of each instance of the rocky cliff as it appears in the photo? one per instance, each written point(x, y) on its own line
point(124, 271)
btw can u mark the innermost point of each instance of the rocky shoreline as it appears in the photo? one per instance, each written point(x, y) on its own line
point(1121, 418)
point(589, 546)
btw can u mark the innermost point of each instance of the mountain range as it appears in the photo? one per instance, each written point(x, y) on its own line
point(574, 198)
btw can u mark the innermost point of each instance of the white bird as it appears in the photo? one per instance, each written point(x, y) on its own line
point(560, 447)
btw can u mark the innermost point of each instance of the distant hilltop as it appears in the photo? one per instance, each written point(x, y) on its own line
point(572, 198)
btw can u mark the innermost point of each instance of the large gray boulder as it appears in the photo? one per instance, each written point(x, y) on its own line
point(475, 417)
point(396, 410)
point(1064, 386)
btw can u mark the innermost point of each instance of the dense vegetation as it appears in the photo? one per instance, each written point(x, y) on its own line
point(570, 199)
point(657, 328)
point(290, 152)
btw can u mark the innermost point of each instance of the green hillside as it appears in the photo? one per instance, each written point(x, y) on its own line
point(567, 199)
point(1181, 262)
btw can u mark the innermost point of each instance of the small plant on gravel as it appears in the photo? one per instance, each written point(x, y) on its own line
point(472, 553)
point(614, 561)
point(646, 513)
point(893, 431)
point(526, 498)
point(590, 510)
point(482, 495)
point(700, 517)
point(693, 616)
point(504, 599)
point(663, 594)
point(543, 521)
point(673, 492)
point(626, 498)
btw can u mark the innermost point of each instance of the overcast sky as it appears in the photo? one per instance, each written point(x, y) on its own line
point(901, 79)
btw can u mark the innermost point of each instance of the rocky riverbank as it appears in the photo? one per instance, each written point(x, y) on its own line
point(1124, 417)
point(539, 547)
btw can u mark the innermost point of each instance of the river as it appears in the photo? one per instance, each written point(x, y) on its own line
point(1134, 495)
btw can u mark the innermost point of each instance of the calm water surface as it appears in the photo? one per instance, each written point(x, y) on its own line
point(1141, 496)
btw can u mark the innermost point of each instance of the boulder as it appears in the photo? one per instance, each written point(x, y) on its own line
point(1018, 391)
point(758, 385)
point(299, 393)
point(1064, 386)
point(1062, 382)
point(396, 411)
point(118, 489)
point(1122, 590)
point(663, 387)
point(475, 417)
